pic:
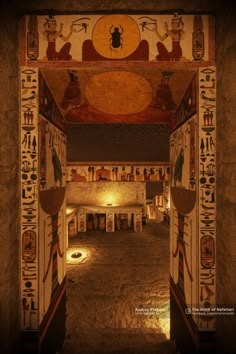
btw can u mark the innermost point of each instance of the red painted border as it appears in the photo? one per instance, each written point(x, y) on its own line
point(76, 64)
point(192, 327)
point(211, 40)
point(22, 41)
point(118, 163)
point(204, 340)
point(51, 311)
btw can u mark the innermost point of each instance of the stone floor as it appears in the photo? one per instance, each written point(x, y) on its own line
point(117, 295)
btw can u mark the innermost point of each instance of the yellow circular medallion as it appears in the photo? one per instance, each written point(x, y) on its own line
point(119, 92)
point(116, 36)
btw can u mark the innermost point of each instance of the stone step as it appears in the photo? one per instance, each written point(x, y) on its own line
point(167, 347)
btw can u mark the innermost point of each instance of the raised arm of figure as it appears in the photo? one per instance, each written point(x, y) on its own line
point(162, 38)
point(65, 38)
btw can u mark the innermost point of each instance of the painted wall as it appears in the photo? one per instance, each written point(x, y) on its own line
point(193, 207)
point(52, 220)
point(112, 172)
point(43, 179)
point(29, 201)
point(207, 157)
point(183, 211)
point(107, 94)
point(103, 193)
point(117, 36)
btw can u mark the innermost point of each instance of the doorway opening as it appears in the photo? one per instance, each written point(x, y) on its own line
point(100, 300)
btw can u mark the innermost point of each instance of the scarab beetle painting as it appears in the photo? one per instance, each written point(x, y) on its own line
point(116, 40)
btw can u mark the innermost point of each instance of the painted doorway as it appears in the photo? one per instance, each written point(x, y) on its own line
point(41, 37)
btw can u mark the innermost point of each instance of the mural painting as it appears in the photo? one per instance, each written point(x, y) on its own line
point(187, 106)
point(207, 193)
point(156, 37)
point(52, 210)
point(103, 95)
point(47, 105)
point(67, 41)
point(29, 198)
point(176, 34)
point(108, 95)
point(183, 210)
point(43, 171)
point(193, 186)
point(129, 173)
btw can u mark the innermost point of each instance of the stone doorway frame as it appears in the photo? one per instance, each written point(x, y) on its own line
point(174, 65)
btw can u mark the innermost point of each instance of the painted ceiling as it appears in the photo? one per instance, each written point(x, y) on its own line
point(127, 94)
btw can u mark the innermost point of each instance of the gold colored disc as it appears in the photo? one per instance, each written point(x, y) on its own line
point(116, 36)
point(119, 92)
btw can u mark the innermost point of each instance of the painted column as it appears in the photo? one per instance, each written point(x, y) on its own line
point(137, 221)
point(81, 221)
point(184, 211)
point(207, 195)
point(52, 214)
point(110, 225)
point(129, 219)
point(29, 262)
point(42, 202)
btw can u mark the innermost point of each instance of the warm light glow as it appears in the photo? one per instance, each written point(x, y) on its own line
point(155, 316)
point(69, 210)
point(108, 199)
point(71, 260)
point(168, 202)
point(164, 319)
point(165, 326)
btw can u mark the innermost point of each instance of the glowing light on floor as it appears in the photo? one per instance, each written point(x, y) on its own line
point(75, 255)
point(165, 326)
point(157, 316)
point(164, 320)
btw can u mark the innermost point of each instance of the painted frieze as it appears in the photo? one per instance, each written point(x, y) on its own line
point(111, 37)
point(76, 172)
